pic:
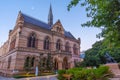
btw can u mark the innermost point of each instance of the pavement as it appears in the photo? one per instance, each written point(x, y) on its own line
point(115, 79)
point(51, 77)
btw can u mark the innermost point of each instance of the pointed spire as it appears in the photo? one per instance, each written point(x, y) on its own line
point(50, 16)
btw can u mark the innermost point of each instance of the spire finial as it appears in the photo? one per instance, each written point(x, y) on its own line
point(50, 16)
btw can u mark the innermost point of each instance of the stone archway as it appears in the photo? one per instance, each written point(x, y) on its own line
point(65, 63)
point(55, 64)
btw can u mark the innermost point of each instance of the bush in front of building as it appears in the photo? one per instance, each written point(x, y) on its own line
point(60, 74)
point(101, 73)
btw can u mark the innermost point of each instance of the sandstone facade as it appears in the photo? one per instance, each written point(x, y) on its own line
point(31, 37)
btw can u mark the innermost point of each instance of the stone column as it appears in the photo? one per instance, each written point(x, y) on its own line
point(60, 65)
point(71, 64)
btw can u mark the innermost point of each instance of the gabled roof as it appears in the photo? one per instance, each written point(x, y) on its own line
point(41, 24)
point(35, 21)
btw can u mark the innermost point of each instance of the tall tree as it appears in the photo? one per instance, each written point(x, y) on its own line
point(96, 55)
point(49, 63)
point(104, 14)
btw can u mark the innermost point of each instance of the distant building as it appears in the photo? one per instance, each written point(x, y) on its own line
point(31, 37)
point(82, 55)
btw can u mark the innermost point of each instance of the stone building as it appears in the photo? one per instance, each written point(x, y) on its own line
point(31, 37)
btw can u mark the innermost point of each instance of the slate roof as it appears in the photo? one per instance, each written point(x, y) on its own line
point(41, 24)
point(35, 21)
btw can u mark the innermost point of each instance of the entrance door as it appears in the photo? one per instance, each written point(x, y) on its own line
point(65, 63)
point(55, 64)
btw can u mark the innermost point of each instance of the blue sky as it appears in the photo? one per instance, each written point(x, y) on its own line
point(71, 20)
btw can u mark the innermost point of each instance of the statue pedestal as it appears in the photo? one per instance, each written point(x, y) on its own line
point(114, 68)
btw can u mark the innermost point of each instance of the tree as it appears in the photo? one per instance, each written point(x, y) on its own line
point(40, 65)
point(104, 14)
point(27, 64)
point(49, 63)
point(45, 63)
point(96, 55)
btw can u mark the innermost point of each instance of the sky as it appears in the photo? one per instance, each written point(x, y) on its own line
point(71, 20)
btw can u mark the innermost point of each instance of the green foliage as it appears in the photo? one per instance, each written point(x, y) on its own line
point(49, 63)
point(45, 64)
point(27, 65)
point(60, 74)
point(73, 70)
point(115, 53)
point(101, 73)
point(92, 61)
point(95, 55)
point(104, 14)
point(80, 64)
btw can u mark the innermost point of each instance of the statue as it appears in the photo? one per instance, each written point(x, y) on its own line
point(109, 59)
point(36, 71)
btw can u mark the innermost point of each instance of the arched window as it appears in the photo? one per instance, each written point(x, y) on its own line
point(55, 64)
point(44, 62)
point(47, 43)
point(67, 47)
point(65, 63)
point(27, 60)
point(32, 40)
point(75, 50)
point(9, 62)
point(32, 62)
point(12, 43)
point(58, 29)
point(58, 44)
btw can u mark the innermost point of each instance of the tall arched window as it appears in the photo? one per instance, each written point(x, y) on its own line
point(27, 60)
point(32, 40)
point(12, 43)
point(9, 62)
point(32, 62)
point(58, 44)
point(47, 43)
point(44, 62)
point(75, 50)
point(67, 47)
point(58, 29)
point(55, 64)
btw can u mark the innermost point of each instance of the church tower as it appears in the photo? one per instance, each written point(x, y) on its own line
point(50, 17)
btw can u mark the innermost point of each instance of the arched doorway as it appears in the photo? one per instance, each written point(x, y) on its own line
point(55, 64)
point(65, 63)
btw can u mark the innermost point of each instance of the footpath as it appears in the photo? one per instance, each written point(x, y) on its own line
point(50, 77)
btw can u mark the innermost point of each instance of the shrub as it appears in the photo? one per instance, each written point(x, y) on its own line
point(101, 73)
point(60, 74)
